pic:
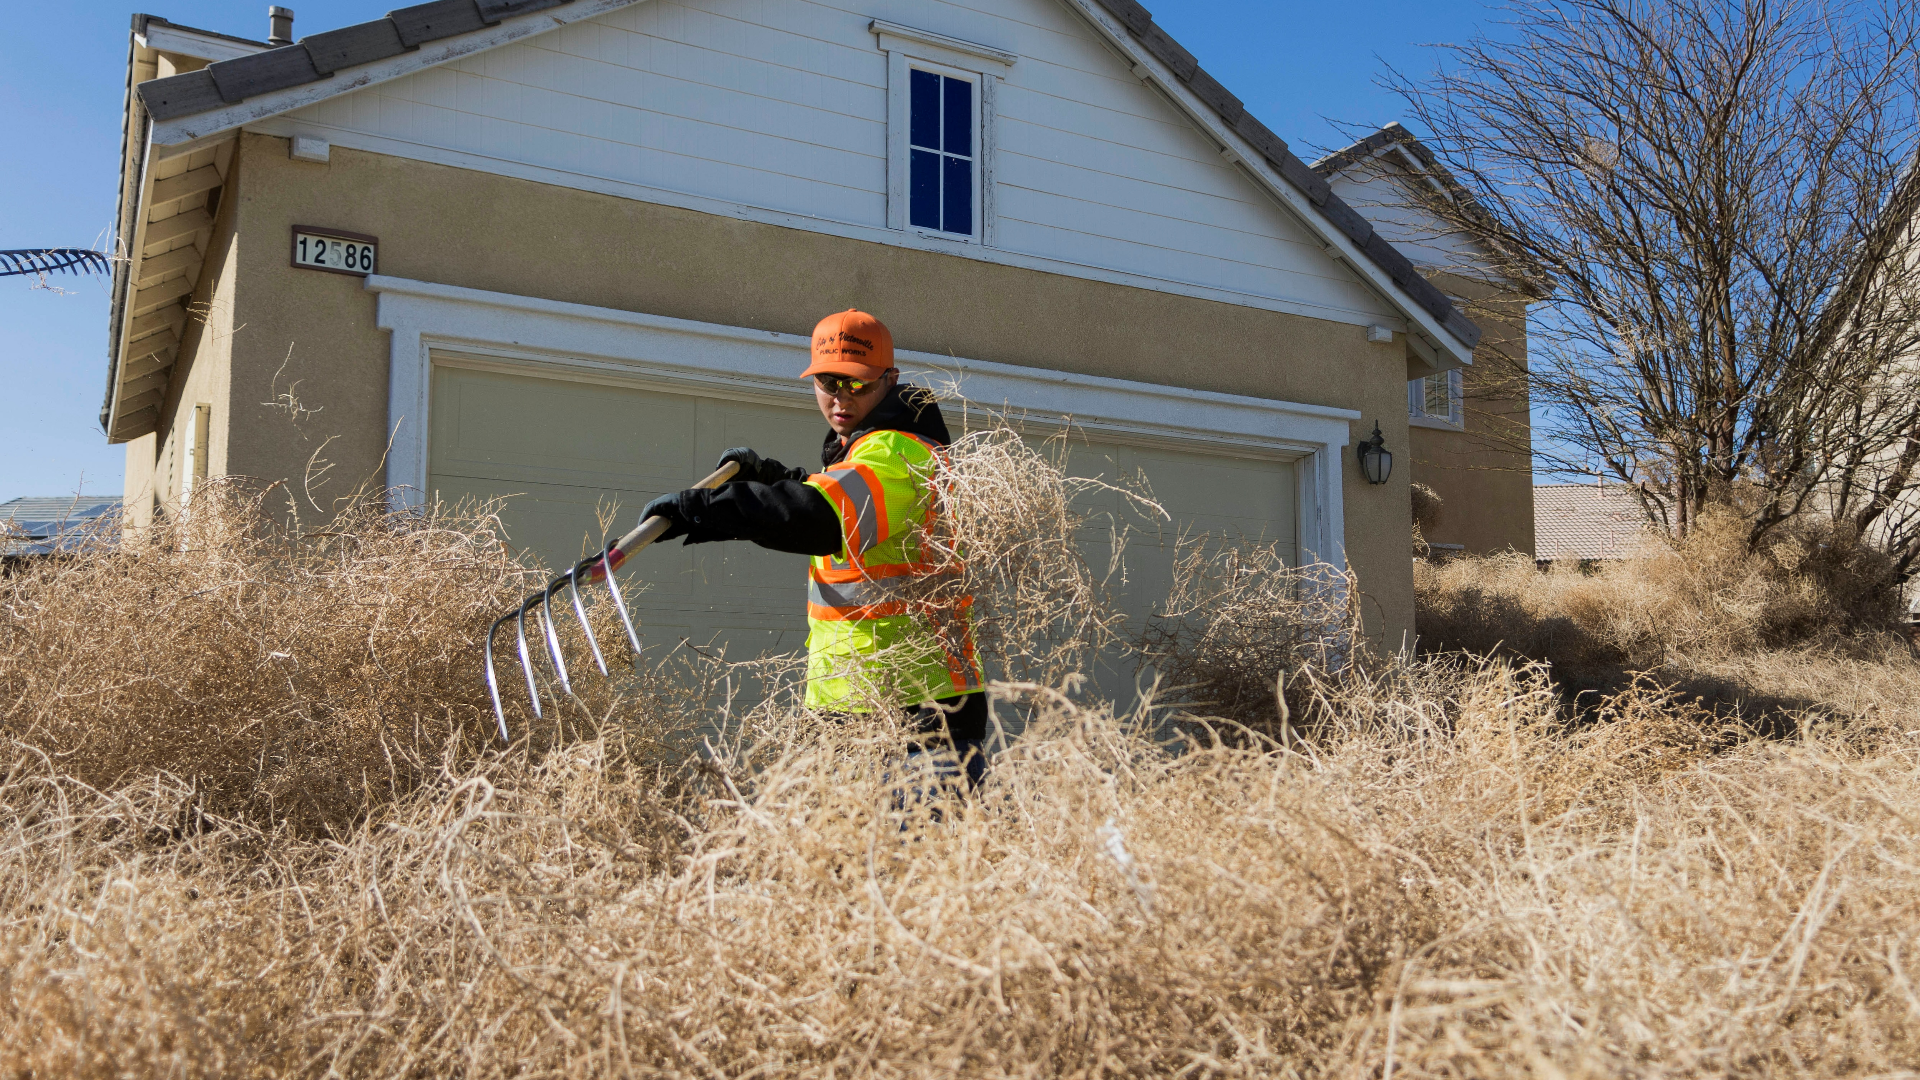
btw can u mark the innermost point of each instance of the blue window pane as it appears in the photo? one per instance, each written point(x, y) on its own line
point(959, 110)
point(923, 190)
point(959, 196)
point(923, 105)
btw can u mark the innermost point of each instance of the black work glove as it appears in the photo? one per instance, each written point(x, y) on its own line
point(667, 506)
point(755, 469)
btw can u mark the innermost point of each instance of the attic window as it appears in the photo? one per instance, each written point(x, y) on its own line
point(940, 94)
point(941, 172)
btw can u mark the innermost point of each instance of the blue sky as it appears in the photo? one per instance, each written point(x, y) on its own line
point(1299, 67)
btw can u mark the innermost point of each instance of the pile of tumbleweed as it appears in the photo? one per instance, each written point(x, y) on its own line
point(251, 823)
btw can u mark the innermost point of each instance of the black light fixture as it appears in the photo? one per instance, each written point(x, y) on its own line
point(1376, 461)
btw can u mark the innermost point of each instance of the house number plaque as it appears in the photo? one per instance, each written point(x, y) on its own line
point(334, 251)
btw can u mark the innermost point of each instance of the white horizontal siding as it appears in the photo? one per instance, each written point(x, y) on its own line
point(1420, 236)
point(781, 105)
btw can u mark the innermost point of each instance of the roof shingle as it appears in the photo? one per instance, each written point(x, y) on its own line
point(1586, 522)
point(34, 525)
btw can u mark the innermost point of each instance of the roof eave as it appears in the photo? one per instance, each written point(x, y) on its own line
point(222, 98)
point(196, 106)
point(133, 125)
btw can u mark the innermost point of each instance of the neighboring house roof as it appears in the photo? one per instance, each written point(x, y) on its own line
point(193, 41)
point(1419, 163)
point(37, 526)
point(191, 108)
point(1393, 133)
point(1586, 521)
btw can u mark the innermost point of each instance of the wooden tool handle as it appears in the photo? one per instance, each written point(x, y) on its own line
point(652, 528)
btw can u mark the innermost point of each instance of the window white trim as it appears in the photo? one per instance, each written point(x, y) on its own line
point(432, 323)
point(906, 49)
point(928, 45)
point(1455, 416)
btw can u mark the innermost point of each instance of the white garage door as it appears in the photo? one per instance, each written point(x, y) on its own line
point(560, 450)
point(1208, 493)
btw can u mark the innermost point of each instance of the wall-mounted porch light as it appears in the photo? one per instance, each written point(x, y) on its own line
point(1376, 461)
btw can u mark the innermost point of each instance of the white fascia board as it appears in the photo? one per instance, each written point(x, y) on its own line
point(185, 128)
point(1290, 197)
point(582, 343)
point(706, 204)
point(185, 42)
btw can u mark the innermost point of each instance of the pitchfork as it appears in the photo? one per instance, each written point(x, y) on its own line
point(598, 567)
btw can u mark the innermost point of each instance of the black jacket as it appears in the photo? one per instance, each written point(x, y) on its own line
point(786, 514)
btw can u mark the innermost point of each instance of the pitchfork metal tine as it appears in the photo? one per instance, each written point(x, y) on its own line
point(580, 612)
point(649, 530)
point(526, 664)
point(620, 602)
point(493, 681)
point(553, 639)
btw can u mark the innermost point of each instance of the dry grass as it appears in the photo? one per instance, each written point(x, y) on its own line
point(1237, 619)
point(286, 676)
point(1687, 609)
point(1444, 879)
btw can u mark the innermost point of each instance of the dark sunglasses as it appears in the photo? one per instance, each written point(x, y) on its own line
point(837, 385)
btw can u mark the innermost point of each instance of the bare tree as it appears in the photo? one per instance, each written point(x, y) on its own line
point(1718, 199)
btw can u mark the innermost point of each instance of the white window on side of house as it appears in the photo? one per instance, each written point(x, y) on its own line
point(943, 152)
point(1437, 398)
point(940, 112)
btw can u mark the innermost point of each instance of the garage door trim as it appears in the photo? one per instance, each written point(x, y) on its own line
point(432, 323)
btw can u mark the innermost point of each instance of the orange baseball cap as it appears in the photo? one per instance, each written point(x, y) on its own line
point(851, 343)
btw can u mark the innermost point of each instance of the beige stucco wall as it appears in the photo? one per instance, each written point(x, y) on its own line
point(1484, 474)
point(484, 231)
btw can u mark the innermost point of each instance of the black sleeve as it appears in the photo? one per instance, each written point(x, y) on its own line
point(785, 516)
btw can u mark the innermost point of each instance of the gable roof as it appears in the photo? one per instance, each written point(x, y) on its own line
point(1423, 165)
point(1331, 208)
point(320, 56)
point(1586, 522)
point(194, 110)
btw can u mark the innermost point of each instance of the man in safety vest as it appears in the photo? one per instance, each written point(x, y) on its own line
point(860, 519)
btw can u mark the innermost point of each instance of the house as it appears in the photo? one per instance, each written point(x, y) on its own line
point(1469, 434)
point(34, 525)
point(1586, 523)
point(569, 250)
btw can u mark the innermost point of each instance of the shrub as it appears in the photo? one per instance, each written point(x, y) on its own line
point(1705, 598)
point(285, 676)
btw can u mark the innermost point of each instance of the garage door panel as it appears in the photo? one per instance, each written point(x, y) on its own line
point(789, 436)
point(487, 424)
point(557, 522)
point(621, 447)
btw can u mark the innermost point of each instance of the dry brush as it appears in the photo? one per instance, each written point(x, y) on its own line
point(1443, 877)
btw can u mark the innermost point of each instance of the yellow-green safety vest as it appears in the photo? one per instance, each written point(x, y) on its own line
point(881, 488)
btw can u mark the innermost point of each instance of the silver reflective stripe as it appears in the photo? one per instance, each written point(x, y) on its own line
point(847, 594)
point(866, 517)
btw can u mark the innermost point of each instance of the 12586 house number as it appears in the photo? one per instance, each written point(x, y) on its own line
point(334, 251)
